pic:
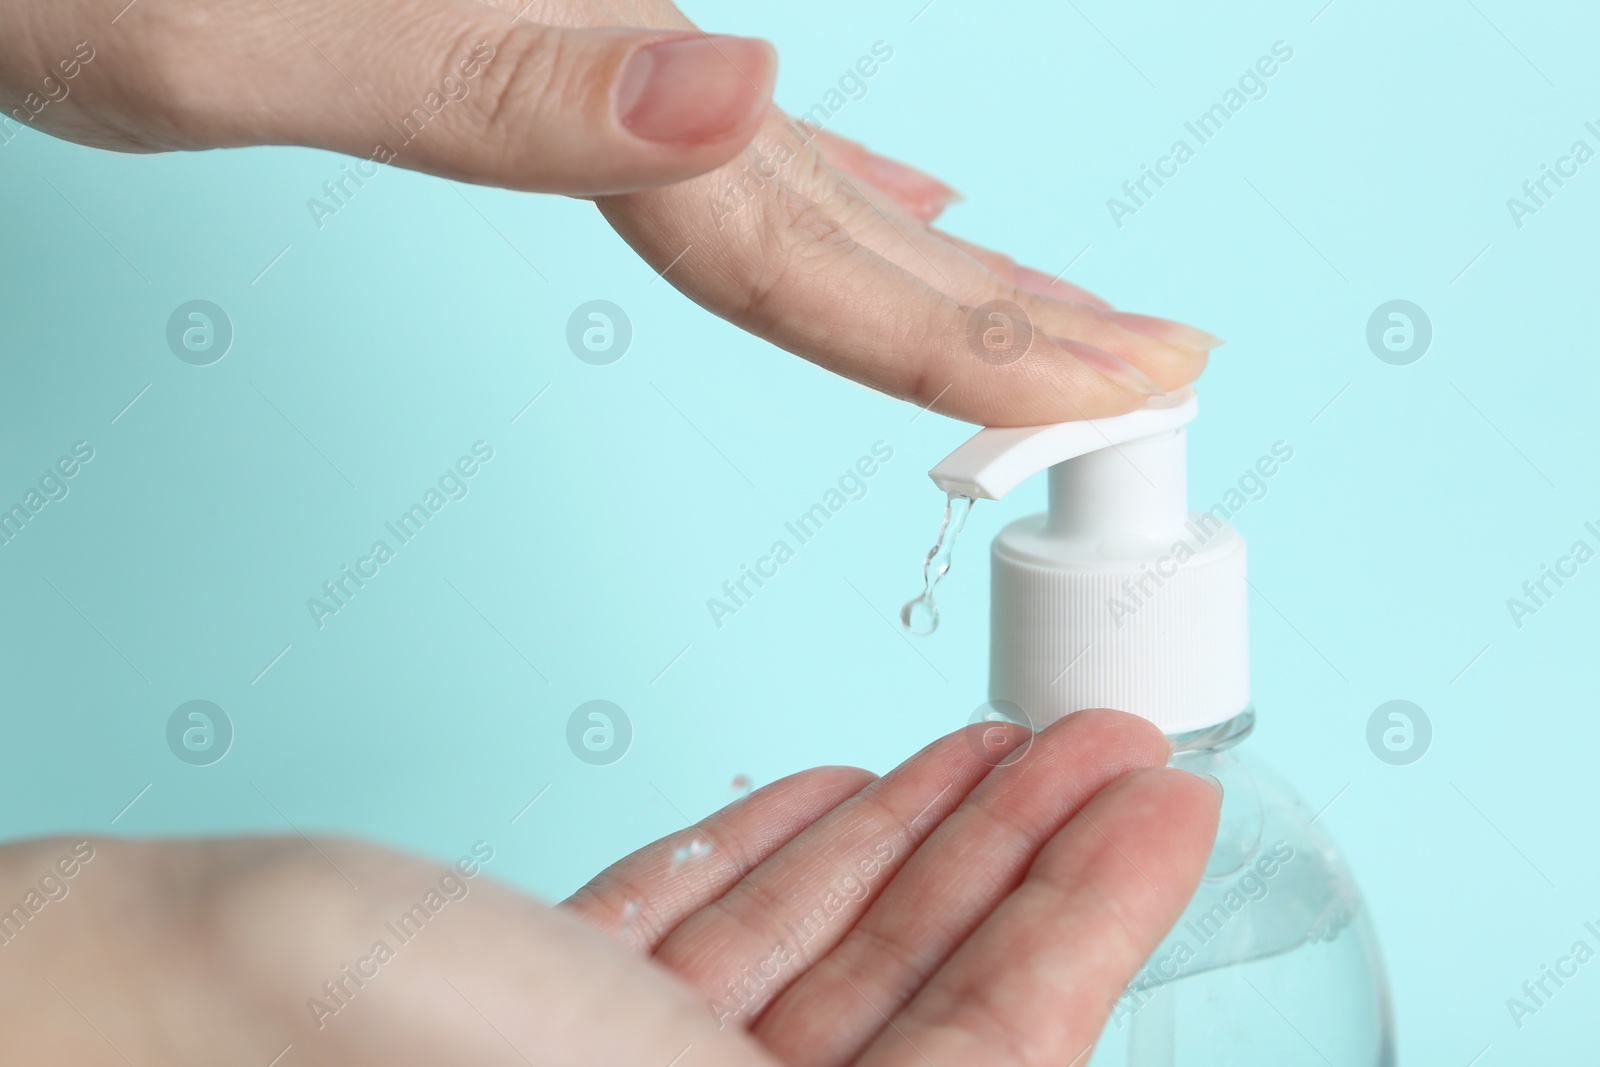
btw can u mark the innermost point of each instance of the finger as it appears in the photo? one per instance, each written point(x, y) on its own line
point(1033, 985)
point(924, 198)
point(641, 898)
point(1026, 278)
point(893, 186)
point(1124, 342)
point(746, 947)
point(799, 256)
point(975, 858)
point(461, 90)
point(919, 194)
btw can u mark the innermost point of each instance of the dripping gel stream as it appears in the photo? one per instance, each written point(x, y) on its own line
point(921, 614)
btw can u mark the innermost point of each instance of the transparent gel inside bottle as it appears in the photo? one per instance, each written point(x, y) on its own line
point(1274, 961)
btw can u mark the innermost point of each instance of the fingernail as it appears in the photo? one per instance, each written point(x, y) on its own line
point(909, 183)
point(694, 89)
point(1210, 779)
point(1177, 333)
point(1106, 365)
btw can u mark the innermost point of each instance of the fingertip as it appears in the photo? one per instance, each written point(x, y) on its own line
point(844, 776)
point(1169, 331)
point(1131, 733)
point(1120, 372)
point(915, 191)
point(828, 781)
point(919, 192)
point(1194, 801)
point(1146, 362)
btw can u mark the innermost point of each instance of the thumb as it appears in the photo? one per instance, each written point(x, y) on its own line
point(585, 112)
point(580, 111)
point(600, 111)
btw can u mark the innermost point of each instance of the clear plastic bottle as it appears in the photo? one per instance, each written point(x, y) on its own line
point(1118, 596)
point(1274, 961)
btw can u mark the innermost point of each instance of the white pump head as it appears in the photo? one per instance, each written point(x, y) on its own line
point(1117, 597)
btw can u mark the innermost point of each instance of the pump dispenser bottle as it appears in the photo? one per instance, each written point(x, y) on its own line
point(1119, 597)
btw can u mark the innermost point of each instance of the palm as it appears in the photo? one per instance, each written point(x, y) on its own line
point(946, 913)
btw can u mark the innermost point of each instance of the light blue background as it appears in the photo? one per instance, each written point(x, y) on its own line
point(1377, 167)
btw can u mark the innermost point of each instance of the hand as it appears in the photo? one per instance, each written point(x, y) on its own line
point(946, 913)
point(803, 238)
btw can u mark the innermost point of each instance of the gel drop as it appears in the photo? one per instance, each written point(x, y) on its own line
point(920, 614)
point(694, 850)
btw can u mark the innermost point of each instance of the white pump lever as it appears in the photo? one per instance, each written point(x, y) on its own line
point(1117, 596)
point(996, 460)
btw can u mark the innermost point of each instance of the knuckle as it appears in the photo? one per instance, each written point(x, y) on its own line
point(532, 70)
point(793, 242)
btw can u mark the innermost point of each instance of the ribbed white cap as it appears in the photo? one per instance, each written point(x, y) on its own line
point(1117, 597)
point(1152, 636)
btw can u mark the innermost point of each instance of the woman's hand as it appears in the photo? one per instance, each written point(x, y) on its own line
point(805, 239)
point(985, 902)
point(950, 912)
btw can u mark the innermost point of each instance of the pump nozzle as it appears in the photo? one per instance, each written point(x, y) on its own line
point(1118, 597)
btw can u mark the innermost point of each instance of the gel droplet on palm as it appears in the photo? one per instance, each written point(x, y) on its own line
point(921, 615)
point(695, 849)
